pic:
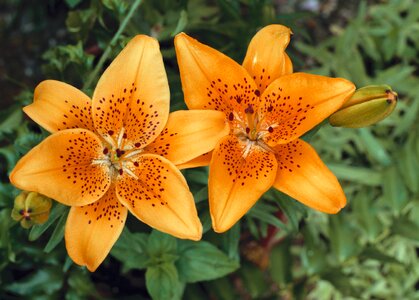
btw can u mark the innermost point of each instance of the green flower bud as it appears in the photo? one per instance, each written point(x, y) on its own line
point(367, 106)
point(31, 208)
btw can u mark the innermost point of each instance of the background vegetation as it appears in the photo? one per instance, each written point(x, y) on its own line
point(281, 249)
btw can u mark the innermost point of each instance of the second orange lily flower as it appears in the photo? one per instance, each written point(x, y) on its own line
point(268, 109)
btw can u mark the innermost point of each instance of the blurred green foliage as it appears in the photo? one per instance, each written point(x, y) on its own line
point(281, 249)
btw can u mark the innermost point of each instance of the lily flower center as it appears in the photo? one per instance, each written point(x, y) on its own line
point(252, 129)
point(119, 155)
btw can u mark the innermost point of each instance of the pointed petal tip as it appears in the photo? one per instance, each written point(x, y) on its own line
point(196, 234)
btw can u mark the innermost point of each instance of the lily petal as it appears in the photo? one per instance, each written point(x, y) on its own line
point(266, 59)
point(189, 134)
point(57, 106)
point(294, 104)
point(61, 168)
point(205, 85)
point(303, 176)
point(133, 93)
point(159, 196)
point(236, 183)
point(92, 230)
point(200, 161)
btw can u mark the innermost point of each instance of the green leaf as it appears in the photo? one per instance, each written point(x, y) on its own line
point(45, 281)
point(230, 241)
point(182, 22)
point(57, 234)
point(280, 266)
point(342, 238)
point(38, 230)
point(254, 280)
point(395, 191)
point(11, 119)
point(406, 228)
point(72, 3)
point(130, 249)
point(373, 253)
point(200, 261)
point(263, 212)
point(160, 243)
point(162, 282)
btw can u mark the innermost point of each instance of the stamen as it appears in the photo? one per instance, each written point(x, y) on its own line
point(265, 147)
point(120, 137)
point(246, 151)
point(130, 173)
point(106, 162)
point(133, 153)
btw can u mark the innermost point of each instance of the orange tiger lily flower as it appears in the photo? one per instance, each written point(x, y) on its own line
point(268, 109)
point(117, 153)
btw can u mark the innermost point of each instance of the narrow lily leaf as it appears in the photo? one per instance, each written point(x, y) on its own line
point(46, 281)
point(395, 192)
point(163, 283)
point(230, 241)
point(254, 280)
point(37, 230)
point(57, 234)
point(374, 253)
point(201, 261)
point(342, 238)
point(409, 164)
point(181, 24)
point(357, 174)
point(263, 212)
point(374, 148)
point(293, 209)
point(280, 266)
point(406, 228)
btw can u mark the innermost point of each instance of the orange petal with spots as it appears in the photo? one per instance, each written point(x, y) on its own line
point(92, 230)
point(61, 168)
point(294, 104)
point(57, 106)
point(211, 80)
point(133, 93)
point(288, 68)
point(200, 161)
point(266, 59)
point(159, 196)
point(235, 182)
point(303, 176)
point(189, 134)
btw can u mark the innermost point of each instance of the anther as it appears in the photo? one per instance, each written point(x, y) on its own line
point(249, 109)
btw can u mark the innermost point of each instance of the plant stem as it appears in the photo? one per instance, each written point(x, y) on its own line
point(112, 43)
